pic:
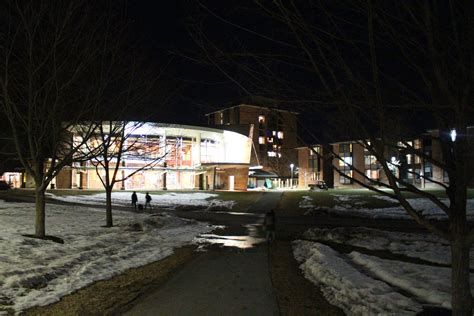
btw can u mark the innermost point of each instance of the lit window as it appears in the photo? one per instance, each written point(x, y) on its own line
point(270, 139)
point(279, 155)
point(280, 135)
point(261, 140)
point(261, 119)
point(274, 133)
point(271, 154)
point(221, 118)
point(409, 159)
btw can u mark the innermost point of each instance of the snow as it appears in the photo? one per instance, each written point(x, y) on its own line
point(350, 206)
point(162, 201)
point(39, 272)
point(345, 286)
point(427, 283)
point(423, 283)
point(425, 246)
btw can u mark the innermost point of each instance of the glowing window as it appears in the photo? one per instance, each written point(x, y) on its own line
point(274, 133)
point(261, 119)
point(272, 154)
point(270, 139)
point(261, 140)
point(280, 135)
point(346, 161)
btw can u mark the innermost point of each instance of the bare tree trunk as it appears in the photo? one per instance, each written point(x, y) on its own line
point(108, 206)
point(40, 222)
point(461, 299)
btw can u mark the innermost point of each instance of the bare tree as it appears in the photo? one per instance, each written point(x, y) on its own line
point(54, 73)
point(371, 71)
point(120, 141)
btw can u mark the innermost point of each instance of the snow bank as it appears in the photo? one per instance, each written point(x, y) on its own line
point(427, 283)
point(362, 284)
point(39, 272)
point(164, 201)
point(422, 246)
point(345, 286)
point(349, 205)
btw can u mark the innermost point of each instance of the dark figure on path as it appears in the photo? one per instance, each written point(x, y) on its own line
point(269, 223)
point(148, 200)
point(134, 200)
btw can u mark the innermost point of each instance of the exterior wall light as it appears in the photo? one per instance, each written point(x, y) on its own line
point(453, 135)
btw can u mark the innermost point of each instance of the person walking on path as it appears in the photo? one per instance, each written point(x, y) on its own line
point(269, 223)
point(147, 200)
point(134, 200)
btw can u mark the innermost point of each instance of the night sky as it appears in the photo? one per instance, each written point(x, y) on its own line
point(162, 31)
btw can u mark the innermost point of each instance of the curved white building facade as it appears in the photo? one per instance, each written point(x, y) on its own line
point(185, 157)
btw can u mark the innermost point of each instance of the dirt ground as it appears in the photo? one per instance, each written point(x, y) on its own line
point(113, 296)
point(295, 294)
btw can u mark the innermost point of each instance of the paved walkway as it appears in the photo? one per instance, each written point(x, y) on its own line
point(268, 201)
point(222, 280)
point(216, 283)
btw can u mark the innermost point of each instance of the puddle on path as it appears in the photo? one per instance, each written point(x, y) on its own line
point(228, 238)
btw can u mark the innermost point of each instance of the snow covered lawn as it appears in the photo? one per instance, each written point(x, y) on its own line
point(353, 206)
point(163, 201)
point(38, 272)
point(363, 284)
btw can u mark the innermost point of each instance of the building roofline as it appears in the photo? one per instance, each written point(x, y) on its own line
point(253, 106)
point(304, 147)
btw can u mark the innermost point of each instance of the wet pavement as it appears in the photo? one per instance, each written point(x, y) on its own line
point(229, 275)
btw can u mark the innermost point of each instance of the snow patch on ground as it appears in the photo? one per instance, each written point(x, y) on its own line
point(352, 207)
point(425, 246)
point(425, 283)
point(39, 272)
point(164, 201)
point(345, 286)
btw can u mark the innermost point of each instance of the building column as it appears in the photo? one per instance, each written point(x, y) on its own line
point(214, 179)
point(197, 159)
point(163, 179)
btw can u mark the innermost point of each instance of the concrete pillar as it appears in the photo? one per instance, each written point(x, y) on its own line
point(164, 177)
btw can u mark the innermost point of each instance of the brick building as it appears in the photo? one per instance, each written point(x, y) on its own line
point(190, 158)
point(410, 168)
point(273, 133)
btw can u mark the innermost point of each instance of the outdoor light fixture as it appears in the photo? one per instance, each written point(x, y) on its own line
point(453, 135)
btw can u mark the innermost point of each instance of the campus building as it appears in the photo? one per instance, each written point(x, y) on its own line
point(316, 165)
point(185, 157)
point(273, 133)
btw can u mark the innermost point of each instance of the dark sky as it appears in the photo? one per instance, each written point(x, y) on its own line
point(161, 28)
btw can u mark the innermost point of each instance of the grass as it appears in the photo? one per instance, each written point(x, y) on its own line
point(244, 199)
point(358, 197)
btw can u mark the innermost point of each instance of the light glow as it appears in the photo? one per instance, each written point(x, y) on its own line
point(453, 135)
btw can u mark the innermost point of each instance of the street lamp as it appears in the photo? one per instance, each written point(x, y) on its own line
point(291, 174)
point(453, 135)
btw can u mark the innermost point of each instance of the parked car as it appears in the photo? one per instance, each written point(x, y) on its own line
point(4, 185)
